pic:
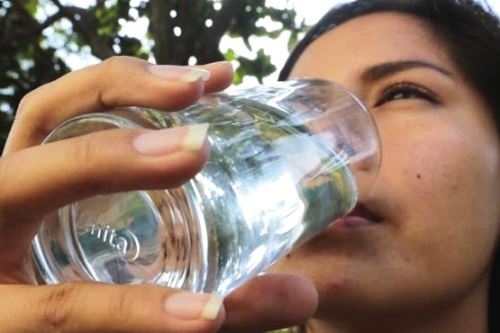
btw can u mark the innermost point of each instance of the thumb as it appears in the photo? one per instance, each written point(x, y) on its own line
point(84, 307)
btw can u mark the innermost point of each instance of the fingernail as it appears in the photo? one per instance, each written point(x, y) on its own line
point(180, 73)
point(165, 141)
point(223, 62)
point(194, 74)
point(195, 137)
point(189, 306)
point(212, 307)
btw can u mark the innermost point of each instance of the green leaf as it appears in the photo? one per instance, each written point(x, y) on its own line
point(31, 6)
point(274, 34)
point(259, 67)
point(230, 55)
point(292, 41)
point(239, 73)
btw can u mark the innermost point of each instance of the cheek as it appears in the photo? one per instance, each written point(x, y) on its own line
point(438, 175)
point(444, 184)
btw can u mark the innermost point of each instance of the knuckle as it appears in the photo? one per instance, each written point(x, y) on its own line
point(28, 114)
point(30, 100)
point(58, 306)
point(8, 204)
point(85, 150)
point(121, 305)
point(122, 69)
point(86, 154)
point(114, 62)
point(26, 102)
point(118, 64)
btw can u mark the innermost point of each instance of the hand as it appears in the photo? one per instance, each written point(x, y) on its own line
point(37, 179)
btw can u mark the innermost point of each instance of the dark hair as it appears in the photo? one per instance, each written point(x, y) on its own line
point(471, 34)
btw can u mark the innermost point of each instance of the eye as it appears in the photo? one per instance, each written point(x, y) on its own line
point(405, 91)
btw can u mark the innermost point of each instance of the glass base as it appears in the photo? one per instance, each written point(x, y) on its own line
point(156, 237)
point(125, 238)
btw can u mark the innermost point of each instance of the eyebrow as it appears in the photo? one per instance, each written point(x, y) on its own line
point(383, 70)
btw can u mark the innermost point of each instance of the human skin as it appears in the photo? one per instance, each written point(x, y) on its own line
point(37, 179)
point(425, 266)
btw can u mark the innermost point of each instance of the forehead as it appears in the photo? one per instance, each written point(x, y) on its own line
point(369, 40)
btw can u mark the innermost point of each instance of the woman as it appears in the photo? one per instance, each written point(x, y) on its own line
point(420, 257)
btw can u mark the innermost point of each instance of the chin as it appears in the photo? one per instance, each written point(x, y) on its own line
point(345, 278)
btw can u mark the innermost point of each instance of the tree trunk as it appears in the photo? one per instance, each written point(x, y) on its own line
point(196, 39)
point(161, 28)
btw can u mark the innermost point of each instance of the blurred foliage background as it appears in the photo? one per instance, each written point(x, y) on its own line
point(34, 32)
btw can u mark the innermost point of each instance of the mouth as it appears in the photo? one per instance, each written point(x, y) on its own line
point(361, 216)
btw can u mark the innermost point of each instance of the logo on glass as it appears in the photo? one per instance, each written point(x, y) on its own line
point(122, 241)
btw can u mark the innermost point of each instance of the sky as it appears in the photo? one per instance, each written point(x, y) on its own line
point(308, 10)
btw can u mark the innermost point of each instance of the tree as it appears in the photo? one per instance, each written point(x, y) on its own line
point(179, 30)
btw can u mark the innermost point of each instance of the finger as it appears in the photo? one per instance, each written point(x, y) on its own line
point(221, 76)
point(269, 302)
point(117, 82)
point(40, 179)
point(84, 307)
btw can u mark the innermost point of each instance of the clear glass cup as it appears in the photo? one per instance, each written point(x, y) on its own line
point(286, 161)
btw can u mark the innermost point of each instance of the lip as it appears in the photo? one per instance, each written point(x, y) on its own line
point(360, 217)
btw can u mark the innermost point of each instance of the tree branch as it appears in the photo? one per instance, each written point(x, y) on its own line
point(160, 27)
point(35, 27)
point(222, 21)
point(196, 39)
point(86, 26)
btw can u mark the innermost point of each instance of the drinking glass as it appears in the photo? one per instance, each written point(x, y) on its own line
point(286, 160)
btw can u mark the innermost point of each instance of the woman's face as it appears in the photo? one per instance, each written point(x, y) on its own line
point(437, 196)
